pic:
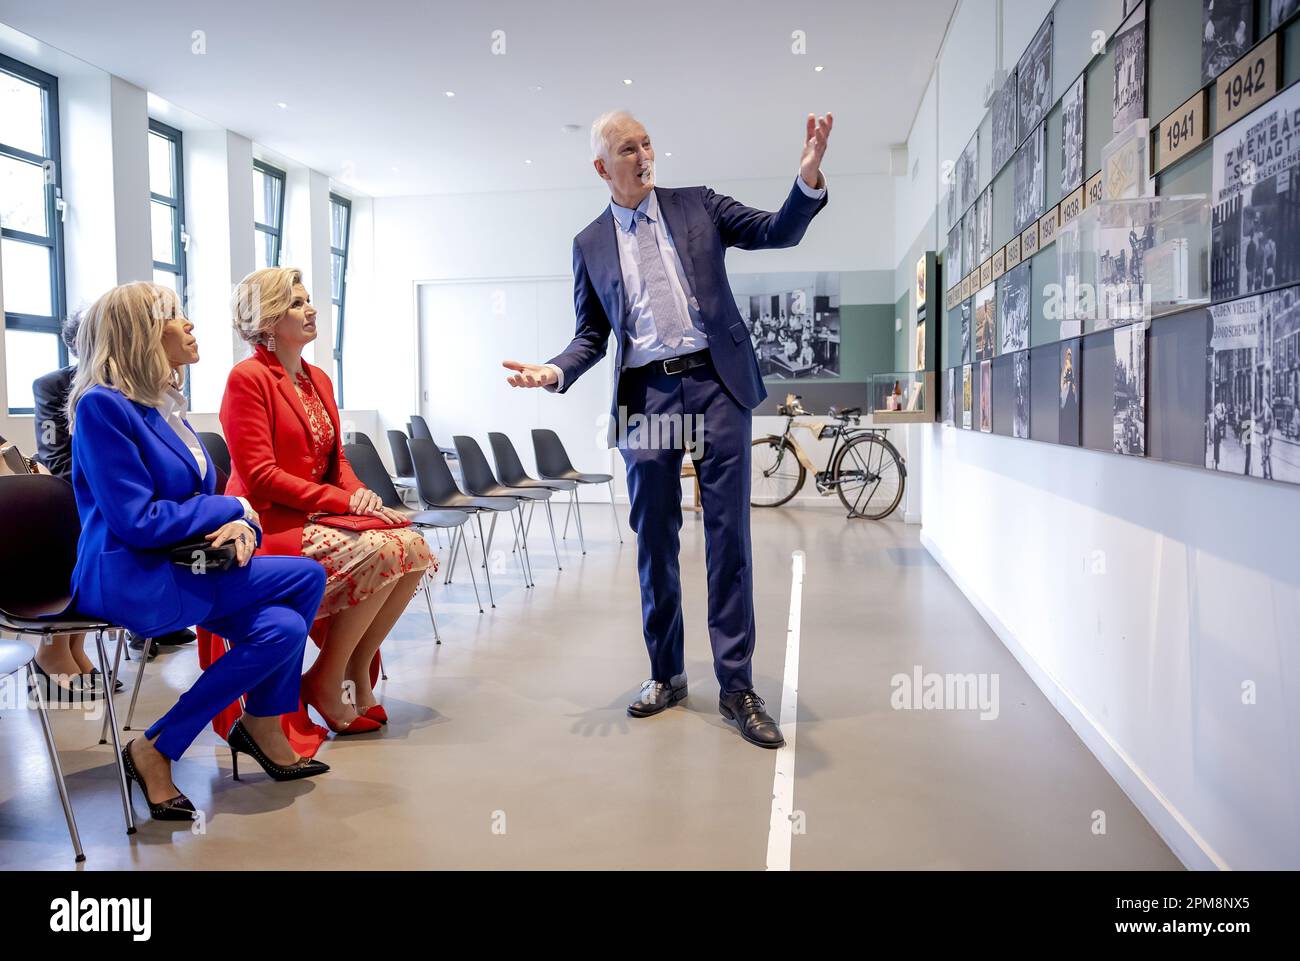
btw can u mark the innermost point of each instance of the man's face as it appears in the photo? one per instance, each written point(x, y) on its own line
point(629, 161)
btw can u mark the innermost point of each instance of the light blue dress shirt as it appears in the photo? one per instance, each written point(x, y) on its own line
point(643, 343)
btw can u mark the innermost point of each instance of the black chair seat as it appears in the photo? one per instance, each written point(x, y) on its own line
point(522, 493)
point(580, 478)
point(550, 484)
point(439, 518)
point(467, 502)
point(14, 656)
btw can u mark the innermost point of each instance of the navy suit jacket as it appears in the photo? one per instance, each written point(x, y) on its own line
point(54, 447)
point(703, 225)
point(139, 493)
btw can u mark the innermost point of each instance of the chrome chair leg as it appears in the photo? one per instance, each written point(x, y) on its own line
point(488, 570)
point(429, 603)
point(110, 682)
point(582, 540)
point(519, 550)
point(33, 685)
point(469, 565)
point(112, 727)
point(487, 544)
point(614, 510)
point(569, 510)
point(551, 524)
point(135, 693)
point(451, 568)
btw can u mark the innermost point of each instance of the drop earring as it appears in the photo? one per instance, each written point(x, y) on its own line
point(270, 342)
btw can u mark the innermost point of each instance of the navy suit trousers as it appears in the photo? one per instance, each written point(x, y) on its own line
point(653, 453)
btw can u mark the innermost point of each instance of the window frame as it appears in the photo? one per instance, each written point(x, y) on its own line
point(36, 323)
point(341, 303)
point(177, 203)
point(276, 230)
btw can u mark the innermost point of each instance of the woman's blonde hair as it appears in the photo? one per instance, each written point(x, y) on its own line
point(261, 299)
point(119, 345)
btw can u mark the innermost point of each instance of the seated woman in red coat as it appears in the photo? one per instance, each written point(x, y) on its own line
point(286, 454)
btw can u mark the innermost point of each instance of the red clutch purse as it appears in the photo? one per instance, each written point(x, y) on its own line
point(354, 522)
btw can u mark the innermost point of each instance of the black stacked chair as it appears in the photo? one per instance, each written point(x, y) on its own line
point(481, 482)
point(217, 449)
point(39, 528)
point(438, 490)
point(402, 465)
point(370, 471)
point(553, 464)
point(512, 474)
point(420, 428)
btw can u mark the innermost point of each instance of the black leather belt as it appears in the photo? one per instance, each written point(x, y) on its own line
point(678, 365)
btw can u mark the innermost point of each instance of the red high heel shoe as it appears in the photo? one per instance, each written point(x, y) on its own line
point(361, 724)
point(376, 712)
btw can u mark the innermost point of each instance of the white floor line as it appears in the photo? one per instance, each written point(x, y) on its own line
point(781, 826)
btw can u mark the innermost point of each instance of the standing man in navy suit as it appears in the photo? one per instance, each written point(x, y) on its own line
point(650, 269)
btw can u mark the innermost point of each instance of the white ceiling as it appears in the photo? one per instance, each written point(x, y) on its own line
point(715, 81)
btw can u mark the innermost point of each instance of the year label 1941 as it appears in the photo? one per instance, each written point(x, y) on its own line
point(1181, 132)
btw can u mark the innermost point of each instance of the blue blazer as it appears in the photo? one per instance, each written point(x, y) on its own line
point(703, 225)
point(139, 493)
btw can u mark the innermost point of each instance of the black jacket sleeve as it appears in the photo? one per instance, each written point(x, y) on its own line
point(53, 445)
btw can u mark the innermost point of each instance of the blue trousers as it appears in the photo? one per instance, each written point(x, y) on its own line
point(264, 610)
point(720, 426)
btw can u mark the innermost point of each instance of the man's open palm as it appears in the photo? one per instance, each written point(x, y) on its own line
point(529, 375)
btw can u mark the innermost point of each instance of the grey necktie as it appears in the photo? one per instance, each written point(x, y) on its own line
point(663, 305)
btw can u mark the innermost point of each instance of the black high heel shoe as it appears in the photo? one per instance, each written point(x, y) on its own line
point(179, 808)
point(240, 740)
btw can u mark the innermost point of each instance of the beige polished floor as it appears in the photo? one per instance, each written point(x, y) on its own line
point(509, 746)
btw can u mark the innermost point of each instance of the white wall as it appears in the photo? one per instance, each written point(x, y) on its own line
point(529, 236)
point(1140, 596)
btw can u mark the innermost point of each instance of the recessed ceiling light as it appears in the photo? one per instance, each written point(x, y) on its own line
point(394, 170)
point(571, 128)
point(527, 161)
point(451, 93)
point(818, 68)
point(627, 83)
point(282, 105)
point(668, 154)
point(537, 88)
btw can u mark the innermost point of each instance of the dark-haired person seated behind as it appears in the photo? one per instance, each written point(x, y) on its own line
point(144, 484)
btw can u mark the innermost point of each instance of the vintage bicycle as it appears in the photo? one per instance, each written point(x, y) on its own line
point(864, 468)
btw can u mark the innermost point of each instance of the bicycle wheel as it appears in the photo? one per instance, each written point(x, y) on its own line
point(776, 474)
point(869, 477)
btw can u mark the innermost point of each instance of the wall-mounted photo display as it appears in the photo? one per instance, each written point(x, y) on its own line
point(984, 225)
point(1072, 137)
point(1253, 386)
point(952, 264)
point(1028, 176)
point(986, 396)
point(1005, 126)
point(1129, 98)
point(1125, 233)
point(1256, 203)
point(1013, 309)
point(1020, 413)
point(795, 330)
point(949, 397)
point(1279, 10)
point(1034, 79)
point(1075, 302)
point(969, 243)
point(1227, 32)
point(964, 310)
point(985, 322)
point(970, 172)
point(1070, 368)
point(920, 345)
point(1130, 390)
point(965, 396)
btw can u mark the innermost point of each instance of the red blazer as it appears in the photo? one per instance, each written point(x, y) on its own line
point(271, 459)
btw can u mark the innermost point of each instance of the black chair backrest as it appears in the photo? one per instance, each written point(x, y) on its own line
point(358, 437)
point(509, 468)
point(474, 470)
point(370, 471)
point(402, 465)
point(419, 428)
point(216, 447)
point(39, 527)
point(552, 458)
point(433, 480)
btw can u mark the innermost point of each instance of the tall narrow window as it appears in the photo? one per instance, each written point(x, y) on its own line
point(31, 234)
point(167, 207)
point(268, 214)
point(340, 225)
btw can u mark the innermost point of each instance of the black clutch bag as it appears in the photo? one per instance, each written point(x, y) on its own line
point(201, 556)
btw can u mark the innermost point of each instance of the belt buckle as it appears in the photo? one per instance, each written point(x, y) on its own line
point(674, 365)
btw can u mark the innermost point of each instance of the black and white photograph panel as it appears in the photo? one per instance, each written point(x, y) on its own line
point(1071, 359)
point(795, 331)
point(1006, 113)
point(1072, 117)
point(1227, 32)
point(965, 396)
point(1013, 308)
point(986, 396)
point(1253, 386)
point(984, 225)
point(970, 172)
point(1130, 389)
point(1020, 412)
point(1028, 176)
point(1279, 11)
point(965, 310)
point(985, 322)
point(969, 242)
point(1124, 235)
point(949, 397)
point(1034, 79)
point(953, 266)
point(1255, 202)
point(1129, 97)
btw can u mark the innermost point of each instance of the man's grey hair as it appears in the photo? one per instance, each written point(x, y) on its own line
point(600, 131)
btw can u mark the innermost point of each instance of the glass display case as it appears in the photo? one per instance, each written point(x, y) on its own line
point(902, 396)
point(1122, 261)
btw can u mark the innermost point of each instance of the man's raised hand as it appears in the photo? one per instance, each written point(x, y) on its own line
point(817, 134)
point(529, 375)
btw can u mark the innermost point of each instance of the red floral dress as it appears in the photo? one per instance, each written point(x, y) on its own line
point(357, 564)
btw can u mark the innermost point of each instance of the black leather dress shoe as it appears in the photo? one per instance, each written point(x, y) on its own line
point(657, 696)
point(754, 724)
point(183, 636)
